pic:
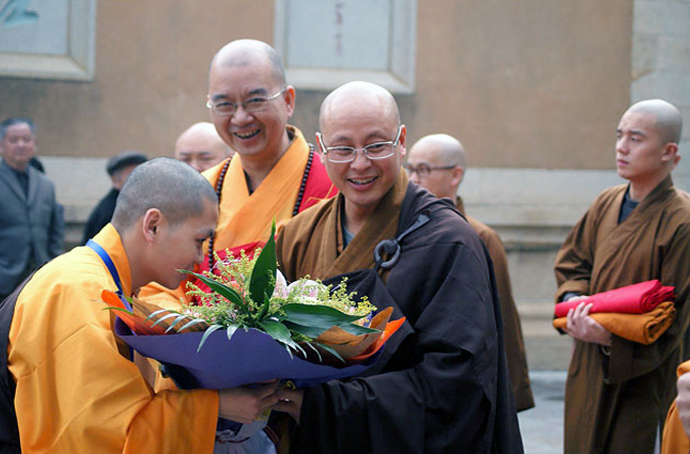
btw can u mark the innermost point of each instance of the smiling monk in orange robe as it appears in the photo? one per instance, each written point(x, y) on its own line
point(274, 174)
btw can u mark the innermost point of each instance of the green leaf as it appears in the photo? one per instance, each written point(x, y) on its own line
point(316, 350)
point(264, 306)
point(177, 320)
point(154, 313)
point(331, 351)
point(113, 308)
point(225, 291)
point(316, 315)
point(207, 333)
point(262, 279)
point(231, 331)
point(277, 331)
point(309, 331)
point(355, 329)
point(196, 321)
point(165, 317)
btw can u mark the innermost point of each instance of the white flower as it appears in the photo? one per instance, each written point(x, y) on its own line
point(282, 289)
point(306, 289)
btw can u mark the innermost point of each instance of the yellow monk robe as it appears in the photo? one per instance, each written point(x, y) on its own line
point(76, 392)
point(676, 441)
point(245, 219)
point(512, 329)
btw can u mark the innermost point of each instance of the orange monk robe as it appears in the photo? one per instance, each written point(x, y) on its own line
point(676, 441)
point(616, 399)
point(76, 392)
point(512, 330)
point(245, 219)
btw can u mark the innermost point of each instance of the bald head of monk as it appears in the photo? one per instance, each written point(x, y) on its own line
point(359, 115)
point(250, 103)
point(163, 214)
point(201, 147)
point(647, 140)
point(437, 162)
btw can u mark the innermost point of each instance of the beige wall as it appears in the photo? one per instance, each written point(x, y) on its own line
point(152, 61)
point(533, 84)
point(537, 84)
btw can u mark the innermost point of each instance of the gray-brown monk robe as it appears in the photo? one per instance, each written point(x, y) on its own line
point(441, 383)
point(512, 330)
point(615, 400)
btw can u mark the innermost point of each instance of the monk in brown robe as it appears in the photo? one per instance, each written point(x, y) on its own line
point(437, 163)
point(618, 391)
point(441, 383)
point(274, 173)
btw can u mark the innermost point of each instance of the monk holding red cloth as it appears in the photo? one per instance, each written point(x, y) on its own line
point(274, 173)
point(437, 163)
point(618, 391)
point(642, 328)
point(631, 299)
point(441, 382)
point(70, 382)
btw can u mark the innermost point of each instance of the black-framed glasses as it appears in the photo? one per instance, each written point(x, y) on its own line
point(224, 108)
point(378, 150)
point(424, 170)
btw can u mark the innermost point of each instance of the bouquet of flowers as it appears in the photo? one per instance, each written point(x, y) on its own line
point(248, 326)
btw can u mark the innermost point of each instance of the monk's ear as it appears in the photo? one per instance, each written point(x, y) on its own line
point(151, 224)
point(320, 147)
point(403, 141)
point(457, 173)
point(670, 153)
point(289, 97)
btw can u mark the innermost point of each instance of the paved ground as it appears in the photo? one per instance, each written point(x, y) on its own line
point(542, 426)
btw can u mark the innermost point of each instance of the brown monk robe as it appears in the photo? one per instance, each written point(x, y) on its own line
point(617, 397)
point(441, 384)
point(512, 330)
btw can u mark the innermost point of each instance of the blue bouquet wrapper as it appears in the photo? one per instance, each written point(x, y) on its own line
point(251, 356)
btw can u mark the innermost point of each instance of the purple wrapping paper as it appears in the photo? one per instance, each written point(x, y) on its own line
point(250, 357)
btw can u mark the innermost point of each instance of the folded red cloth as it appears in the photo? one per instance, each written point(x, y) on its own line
point(631, 299)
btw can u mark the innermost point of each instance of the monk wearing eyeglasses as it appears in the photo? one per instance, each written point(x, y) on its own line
point(437, 163)
point(441, 383)
point(274, 172)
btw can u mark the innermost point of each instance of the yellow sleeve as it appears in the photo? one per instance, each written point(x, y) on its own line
point(77, 393)
point(675, 441)
point(163, 297)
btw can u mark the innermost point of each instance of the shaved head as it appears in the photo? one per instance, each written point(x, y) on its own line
point(244, 52)
point(437, 163)
point(669, 122)
point(363, 93)
point(446, 149)
point(201, 147)
point(171, 186)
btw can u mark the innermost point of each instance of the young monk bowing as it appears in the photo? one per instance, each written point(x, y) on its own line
point(77, 390)
point(441, 383)
point(618, 391)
